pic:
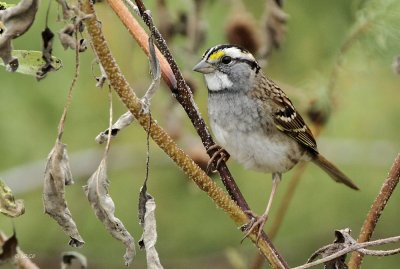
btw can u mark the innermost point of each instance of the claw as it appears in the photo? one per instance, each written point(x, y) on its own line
point(255, 224)
point(218, 156)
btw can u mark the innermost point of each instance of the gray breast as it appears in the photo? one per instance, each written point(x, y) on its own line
point(236, 111)
point(245, 128)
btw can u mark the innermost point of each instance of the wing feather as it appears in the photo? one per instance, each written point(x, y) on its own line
point(289, 121)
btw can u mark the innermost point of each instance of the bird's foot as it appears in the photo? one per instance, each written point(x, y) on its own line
point(256, 224)
point(217, 157)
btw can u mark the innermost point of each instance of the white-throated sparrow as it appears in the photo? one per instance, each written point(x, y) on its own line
point(254, 120)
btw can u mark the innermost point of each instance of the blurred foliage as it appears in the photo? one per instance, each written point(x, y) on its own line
point(362, 137)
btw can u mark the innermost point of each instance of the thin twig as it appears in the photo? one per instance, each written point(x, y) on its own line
point(376, 210)
point(147, 153)
point(355, 247)
point(110, 122)
point(47, 13)
point(69, 97)
point(379, 252)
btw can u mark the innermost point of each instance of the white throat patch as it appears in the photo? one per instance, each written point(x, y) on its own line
point(217, 81)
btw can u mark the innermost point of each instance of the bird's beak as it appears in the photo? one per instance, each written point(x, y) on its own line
point(204, 67)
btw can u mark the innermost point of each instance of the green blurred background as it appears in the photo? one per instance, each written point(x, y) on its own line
point(362, 137)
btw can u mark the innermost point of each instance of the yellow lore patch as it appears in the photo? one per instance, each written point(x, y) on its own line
point(216, 55)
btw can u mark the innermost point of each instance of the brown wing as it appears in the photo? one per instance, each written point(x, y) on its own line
point(289, 121)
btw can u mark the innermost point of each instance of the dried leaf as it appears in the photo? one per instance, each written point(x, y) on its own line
point(124, 120)
point(30, 61)
point(8, 205)
point(143, 198)
point(57, 175)
point(97, 193)
point(16, 21)
point(9, 249)
point(147, 219)
point(73, 259)
point(68, 41)
point(67, 34)
point(47, 38)
point(342, 241)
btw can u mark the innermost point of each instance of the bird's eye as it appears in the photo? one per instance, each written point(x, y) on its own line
point(226, 59)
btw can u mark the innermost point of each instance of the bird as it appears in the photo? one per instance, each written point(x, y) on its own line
point(255, 123)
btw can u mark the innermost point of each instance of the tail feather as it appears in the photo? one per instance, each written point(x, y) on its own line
point(333, 171)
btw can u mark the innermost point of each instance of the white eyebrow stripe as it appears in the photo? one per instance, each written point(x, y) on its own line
point(237, 53)
point(230, 50)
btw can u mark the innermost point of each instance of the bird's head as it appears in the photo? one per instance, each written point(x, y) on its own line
point(228, 68)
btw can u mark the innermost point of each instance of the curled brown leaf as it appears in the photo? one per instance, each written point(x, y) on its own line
point(15, 22)
point(342, 241)
point(57, 175)
point(67, 39)
point(147, 219)
point(67, 34)
point(47, 48)
point(96, 191)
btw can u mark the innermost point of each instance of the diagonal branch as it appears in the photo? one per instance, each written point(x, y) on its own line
point(164, 141)
point(376, 210)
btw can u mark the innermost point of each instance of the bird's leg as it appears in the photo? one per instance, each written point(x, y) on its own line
point(218, 156)
point(258, 222)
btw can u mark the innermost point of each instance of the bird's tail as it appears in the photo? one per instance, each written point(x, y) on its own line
point(333, 171)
